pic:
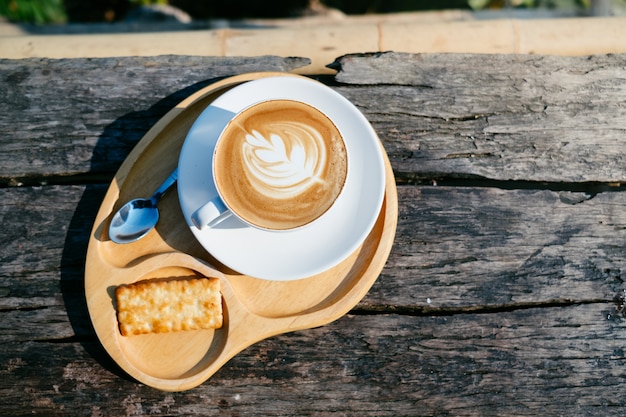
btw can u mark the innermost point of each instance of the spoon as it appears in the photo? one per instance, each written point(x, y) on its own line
point(137, 217)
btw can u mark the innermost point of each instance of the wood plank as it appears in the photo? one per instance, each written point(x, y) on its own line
point(63, 117)
point(456, 248)
point(540, 361)
point(44, 238)
point(524, 118)
point(481, 248)
point(501, 117)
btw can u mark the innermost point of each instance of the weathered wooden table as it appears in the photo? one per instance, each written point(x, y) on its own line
point(504, 291)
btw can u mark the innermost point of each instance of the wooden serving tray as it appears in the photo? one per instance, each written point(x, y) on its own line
point(254, 309)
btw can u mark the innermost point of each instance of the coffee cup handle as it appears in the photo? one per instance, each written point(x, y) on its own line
point(211, 214)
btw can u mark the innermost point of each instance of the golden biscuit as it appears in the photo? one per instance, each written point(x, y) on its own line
point(169, 306)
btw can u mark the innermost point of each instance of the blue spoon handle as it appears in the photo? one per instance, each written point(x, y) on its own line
point(171, 180)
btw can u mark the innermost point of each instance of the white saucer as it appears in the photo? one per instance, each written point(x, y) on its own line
point(284, 256)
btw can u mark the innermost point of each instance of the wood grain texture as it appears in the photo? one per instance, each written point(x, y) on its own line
point(510, 117)
point(462, 248)
point(525, 363)
point(475, 248)
point(502, 292)
point(502, 117)
point(111, 103)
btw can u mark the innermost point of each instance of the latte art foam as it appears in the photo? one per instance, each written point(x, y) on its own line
point(280, 164)
point(288, 162)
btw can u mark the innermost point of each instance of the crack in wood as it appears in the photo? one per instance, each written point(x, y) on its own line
point(69, 339)
point(590, 188)
point(71, 179)
point(421, 311)
point(470, 155)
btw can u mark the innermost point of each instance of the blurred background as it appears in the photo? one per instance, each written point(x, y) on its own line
point(43, 12)
point(329, 28)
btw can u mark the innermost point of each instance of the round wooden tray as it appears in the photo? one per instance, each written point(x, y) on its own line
point(254, 309)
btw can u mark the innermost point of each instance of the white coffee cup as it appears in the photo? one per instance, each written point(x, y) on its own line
point(278, 165)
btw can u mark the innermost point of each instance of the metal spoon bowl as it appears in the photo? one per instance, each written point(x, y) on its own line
point(137, 217)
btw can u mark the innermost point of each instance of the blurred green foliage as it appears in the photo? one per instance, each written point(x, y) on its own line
point(34, 11)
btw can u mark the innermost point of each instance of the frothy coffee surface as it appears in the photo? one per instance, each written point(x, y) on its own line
point(280, 164)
